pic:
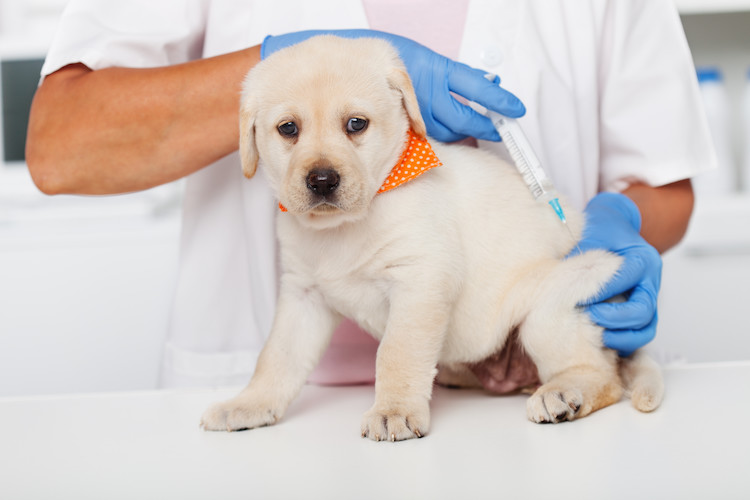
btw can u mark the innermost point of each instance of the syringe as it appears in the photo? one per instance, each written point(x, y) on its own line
point(527, 162)
point(528, 165)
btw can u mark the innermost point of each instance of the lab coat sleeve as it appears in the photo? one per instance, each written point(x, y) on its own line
point(653, 128)
point(135, 33)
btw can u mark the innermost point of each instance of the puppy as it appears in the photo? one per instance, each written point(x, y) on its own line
point(443, 269)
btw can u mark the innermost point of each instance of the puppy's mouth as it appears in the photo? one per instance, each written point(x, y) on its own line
point(325, 207)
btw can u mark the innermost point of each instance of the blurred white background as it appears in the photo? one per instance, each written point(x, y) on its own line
point(86, 283)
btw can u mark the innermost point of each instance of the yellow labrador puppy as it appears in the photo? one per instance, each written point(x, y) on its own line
point(442, 269)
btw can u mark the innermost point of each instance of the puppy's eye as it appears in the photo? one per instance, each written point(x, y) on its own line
point(355, 125)
point(288, 129)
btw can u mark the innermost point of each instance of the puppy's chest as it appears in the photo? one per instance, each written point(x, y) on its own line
point(361, 294)
point(355, 279)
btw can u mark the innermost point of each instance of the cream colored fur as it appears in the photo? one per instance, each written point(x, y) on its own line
point(441, 269)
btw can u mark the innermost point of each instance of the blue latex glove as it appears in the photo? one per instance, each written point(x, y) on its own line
point(613, 223)
point(434, 78)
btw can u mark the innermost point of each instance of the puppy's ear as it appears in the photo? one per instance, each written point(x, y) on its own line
point(399, 80)
point(248, 149)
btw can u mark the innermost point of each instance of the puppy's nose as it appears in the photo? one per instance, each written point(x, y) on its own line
point(323, 181)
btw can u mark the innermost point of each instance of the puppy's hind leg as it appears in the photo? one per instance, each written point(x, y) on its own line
point(578, 375)
point(578, 378)
point(457, 375)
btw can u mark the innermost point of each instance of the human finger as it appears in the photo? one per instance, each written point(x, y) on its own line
point(637, 312)
point(625, 342)
point(471, 84)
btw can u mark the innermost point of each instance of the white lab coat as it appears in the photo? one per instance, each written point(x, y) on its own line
point(609, 87)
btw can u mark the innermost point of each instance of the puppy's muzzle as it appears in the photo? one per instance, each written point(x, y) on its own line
point(323, 181)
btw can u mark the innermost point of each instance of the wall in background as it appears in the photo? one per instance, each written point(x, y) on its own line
point(703, 304)
point(84, 302)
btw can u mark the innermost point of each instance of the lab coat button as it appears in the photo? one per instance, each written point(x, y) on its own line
point(492, 55)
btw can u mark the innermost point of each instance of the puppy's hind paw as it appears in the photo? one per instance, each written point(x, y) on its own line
point(554, 406)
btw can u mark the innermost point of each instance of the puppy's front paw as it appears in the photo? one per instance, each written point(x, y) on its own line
point(553, 406)
point(396, 423)
point(239, 414)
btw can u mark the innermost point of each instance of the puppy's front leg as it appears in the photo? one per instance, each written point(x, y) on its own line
point(301, 331)
point(405, 369)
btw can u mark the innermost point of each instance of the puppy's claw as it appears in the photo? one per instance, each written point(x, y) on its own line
point(396, 424)
point(550, 405)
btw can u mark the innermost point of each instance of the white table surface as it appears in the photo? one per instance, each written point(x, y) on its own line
point(149, 445)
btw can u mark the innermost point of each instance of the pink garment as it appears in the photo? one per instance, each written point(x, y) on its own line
point(349, 360)
point(439, 25)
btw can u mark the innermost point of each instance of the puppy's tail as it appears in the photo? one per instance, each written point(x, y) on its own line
point(643, 381)
point(577, 278)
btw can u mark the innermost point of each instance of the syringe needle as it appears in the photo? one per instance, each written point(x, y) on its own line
point(555, 204)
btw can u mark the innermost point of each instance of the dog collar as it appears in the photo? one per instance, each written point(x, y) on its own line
point(417, 158)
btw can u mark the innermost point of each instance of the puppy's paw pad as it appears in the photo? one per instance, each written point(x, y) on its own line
point(235, 415)
point(394, 425)
point(553, 406)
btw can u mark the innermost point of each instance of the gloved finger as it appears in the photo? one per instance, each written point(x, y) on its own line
point(438, 131)
point(625, 342)
point(463, 120)
point(635, 313)
point(472, 84)
point(632, 271)
point(435, 128)
point(449, 120)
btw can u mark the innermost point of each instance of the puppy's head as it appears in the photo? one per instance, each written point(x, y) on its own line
point(328, 119)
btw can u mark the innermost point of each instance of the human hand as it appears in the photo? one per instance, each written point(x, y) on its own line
point(613, 223)
point(434, 77)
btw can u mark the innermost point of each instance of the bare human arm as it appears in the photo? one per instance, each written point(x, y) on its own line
point(119, 130)
point(665, 211)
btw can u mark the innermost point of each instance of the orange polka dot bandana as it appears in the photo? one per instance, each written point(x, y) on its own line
point(417, 158)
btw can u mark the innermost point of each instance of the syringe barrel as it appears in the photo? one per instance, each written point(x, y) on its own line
point(527, 163)
point(523, 156)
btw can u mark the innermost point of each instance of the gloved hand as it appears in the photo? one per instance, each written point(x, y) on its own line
point(613, 223)
point(434, 77)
